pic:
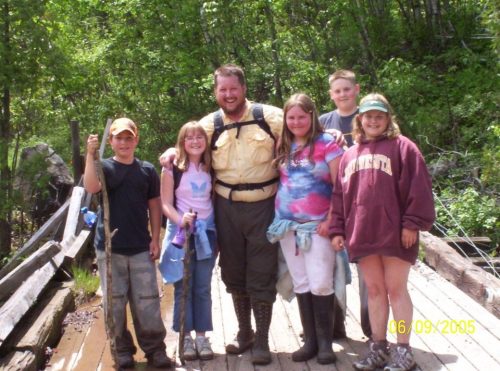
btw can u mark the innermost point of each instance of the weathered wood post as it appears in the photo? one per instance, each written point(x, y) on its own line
point(108, 310)
point(185, 287)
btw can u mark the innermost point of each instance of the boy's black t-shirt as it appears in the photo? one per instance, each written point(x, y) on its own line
point(129, 186)
point(332, 120)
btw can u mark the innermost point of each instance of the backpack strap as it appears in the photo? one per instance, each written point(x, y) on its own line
point(258, 115)
point(177, 175)
point(219, 127)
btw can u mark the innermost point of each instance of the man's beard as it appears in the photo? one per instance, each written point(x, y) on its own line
point(238, 109)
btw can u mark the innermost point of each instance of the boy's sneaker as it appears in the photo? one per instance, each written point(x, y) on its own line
point(376, 358)
point(159, 360)
point(189, 351)
point(401, 359)
point(203, 348)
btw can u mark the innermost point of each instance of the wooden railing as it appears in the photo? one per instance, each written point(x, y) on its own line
point(23, 281)
point(31, 303)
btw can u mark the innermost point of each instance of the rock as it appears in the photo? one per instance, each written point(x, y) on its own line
point(43, 180)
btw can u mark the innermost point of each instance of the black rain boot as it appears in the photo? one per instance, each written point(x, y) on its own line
point(338, 321)
point(245, 337)
point(324, 328)
point(262, 312)
point(310, 347)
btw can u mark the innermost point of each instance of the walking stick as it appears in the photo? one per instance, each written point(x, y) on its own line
point(185, 288)
point(108, 309)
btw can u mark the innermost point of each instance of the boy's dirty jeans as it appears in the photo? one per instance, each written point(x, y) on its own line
point(134, 281)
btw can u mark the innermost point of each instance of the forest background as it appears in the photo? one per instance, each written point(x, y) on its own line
point(152, 60)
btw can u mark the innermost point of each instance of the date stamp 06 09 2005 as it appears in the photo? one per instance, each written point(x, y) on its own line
point(426, 326)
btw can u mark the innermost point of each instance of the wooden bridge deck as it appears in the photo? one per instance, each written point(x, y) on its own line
point(437, 303)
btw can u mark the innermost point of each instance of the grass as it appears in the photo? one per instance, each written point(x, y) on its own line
point(86, 283)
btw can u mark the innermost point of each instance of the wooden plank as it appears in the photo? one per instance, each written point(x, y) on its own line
point(219, 322)
point(25, 297)
point(69, 346)
point(171, 338)
point(479, 347)
point(449, 291)
point(17, 276)
point(479, 260)
point(445, 347)
point(23, 360)
point(49, 226)
point(75, 249)
point(73, 213)
point(240, 362)
point(43, 327)
point(283, 340)
point(424, 356)
point(40, 329)
point(91, 354)
point(456, 239)
point(482, 286)
point(432, 300)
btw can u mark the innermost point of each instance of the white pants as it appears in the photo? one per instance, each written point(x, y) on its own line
point(311, 271)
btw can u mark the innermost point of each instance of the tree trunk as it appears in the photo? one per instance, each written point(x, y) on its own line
point(275, 53)
point(359, 16)
point(5, 176)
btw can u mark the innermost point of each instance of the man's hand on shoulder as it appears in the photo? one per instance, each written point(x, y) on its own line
point(339, 137)
point(167, 158)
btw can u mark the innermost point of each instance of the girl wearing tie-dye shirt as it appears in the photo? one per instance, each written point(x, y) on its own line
point(308, 160)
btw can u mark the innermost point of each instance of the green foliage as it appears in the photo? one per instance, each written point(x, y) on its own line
point(490, 17)
point(474, 214)
point(153, 61)
point(490, 158)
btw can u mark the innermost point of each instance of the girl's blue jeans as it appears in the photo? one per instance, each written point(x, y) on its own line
point(198, 315)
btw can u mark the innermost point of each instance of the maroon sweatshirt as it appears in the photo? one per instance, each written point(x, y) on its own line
point(381, 187)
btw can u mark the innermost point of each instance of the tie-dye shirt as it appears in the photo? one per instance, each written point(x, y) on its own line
point(194, 192)
point(305, 188)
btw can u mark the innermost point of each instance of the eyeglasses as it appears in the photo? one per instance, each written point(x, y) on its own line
point(193, 138)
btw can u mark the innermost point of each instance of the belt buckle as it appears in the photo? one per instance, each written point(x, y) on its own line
point(243, 187)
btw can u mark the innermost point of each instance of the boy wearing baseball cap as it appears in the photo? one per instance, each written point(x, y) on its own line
point(133, 188)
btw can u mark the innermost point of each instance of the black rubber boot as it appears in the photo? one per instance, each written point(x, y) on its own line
point(245, 337)
point(262, 312)
point(338, 321)
point(310, 347)
point(324, 328)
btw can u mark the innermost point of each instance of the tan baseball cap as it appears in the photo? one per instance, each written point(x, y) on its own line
point(123, 124)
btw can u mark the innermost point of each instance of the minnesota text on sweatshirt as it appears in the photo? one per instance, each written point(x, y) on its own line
point(382, 186)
